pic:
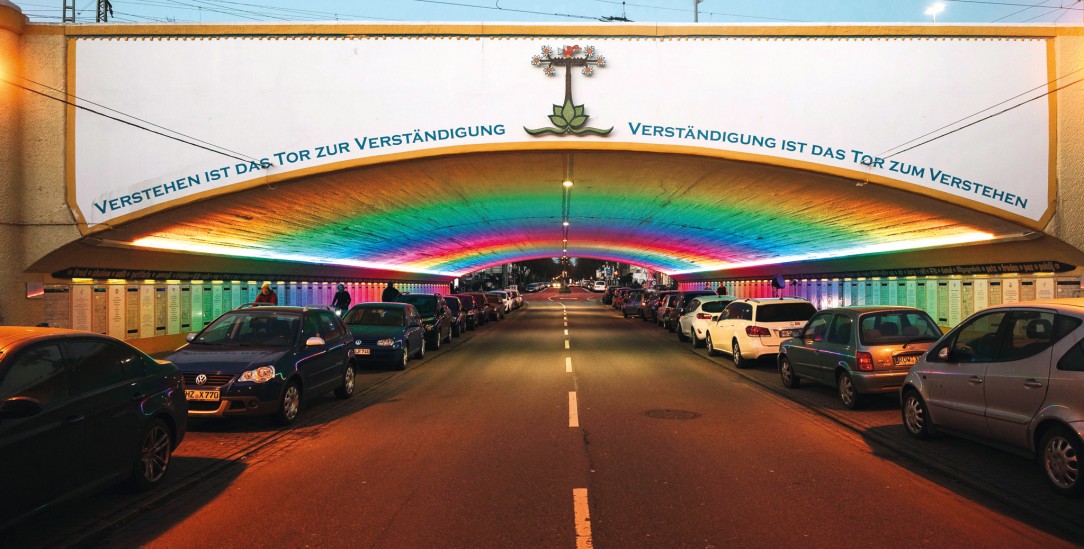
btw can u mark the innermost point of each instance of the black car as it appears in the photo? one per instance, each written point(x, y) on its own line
point(435, 317)
point(462, 315)
point(676, 307)
point(475, 314)
point(385, 333)
point(80, 411)
point(266, 360)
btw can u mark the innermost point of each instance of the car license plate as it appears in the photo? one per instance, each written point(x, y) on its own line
point(789, 333)
point(197, 394)
point(906, 360)
point(361, 351)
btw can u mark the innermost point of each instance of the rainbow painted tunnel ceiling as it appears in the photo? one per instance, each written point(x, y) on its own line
point(452, 215)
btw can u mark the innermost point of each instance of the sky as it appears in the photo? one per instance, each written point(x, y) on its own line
point(561, 11)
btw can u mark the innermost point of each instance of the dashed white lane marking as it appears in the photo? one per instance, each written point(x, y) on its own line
point(583, 519)
point(573, 410)
point(566, 323)
point(568, 364)
point(566, 331)
point(566, 344)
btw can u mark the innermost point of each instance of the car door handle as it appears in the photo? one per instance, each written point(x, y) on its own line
point(975, 380)
point(139, 396)
point(1032, 383)
point(71, 420)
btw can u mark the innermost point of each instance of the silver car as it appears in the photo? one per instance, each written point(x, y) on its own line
point(858, 350)
point(1013, 375)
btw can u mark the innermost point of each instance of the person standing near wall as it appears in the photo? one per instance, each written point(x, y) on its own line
point(267, 295)
point(390, 293)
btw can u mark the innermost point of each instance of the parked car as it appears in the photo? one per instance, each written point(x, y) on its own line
point(78, 412)
point(506, 299)
point(385, 333)
point(676, 307)
point(655, 301)
point(599, 286)
point(459, 317)
point(699, 313)
point(857, 350)
point(266, 361)
point(517, 298)
point(436, 318)
point(632, 304)
point(1013, 375)
point(619, 297)
point(496, 303)
point(750, 328)
point(470, 314)
point(608, 295)
point(482, 309)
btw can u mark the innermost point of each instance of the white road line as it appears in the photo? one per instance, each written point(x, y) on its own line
point(568, 364)
point(566, 331)
point(573, 410)
point(566, 344)
point(583, 518)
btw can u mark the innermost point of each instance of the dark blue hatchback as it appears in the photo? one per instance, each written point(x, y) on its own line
point(386, 333)
point(264, 360)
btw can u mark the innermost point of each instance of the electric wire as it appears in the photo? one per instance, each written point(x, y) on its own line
point(974, 114)
point(1021, 104)
point(133, 117)
point(126, 122)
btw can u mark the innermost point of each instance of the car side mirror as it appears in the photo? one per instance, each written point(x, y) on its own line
point(958, 353)
point(190, 337)
point(20, 407)
point(315, 342)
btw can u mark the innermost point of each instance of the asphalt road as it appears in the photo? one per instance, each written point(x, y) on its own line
point(512, 437)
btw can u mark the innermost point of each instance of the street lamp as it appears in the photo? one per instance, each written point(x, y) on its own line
point(696, 10)
point(935, 9)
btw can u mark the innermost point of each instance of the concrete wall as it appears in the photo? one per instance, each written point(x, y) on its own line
point(1068, 221)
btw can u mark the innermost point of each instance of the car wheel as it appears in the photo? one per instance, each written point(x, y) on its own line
point(916, 417)
point(420, 353)
point(155, 451)
point(697, 343)
point(786, 374)
point(289, 404)
point(625, 313)
point(681, 334)
point(735, 355)
point(456, 331)
point(436, 342)
point(1061, 460)
point(847, 393)
point(710, 346)
point(448, 338)
point(346, 390)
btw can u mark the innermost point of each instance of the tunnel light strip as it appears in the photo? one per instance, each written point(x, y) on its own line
point(898, 246)
point(181, 246)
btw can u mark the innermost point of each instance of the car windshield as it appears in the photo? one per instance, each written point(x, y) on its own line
point(714, 306)
point(251, 328)
point(492, 298)
point(374, 316)
point(453, 304)
point(426, 304)
point(893, 327)
point(785, 312)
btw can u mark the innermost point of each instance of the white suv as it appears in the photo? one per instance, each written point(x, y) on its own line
point(751, 328)
point(701, 311)
point(600, 286)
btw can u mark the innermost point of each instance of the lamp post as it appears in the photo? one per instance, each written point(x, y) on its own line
point(696, 10)
point(935, 9)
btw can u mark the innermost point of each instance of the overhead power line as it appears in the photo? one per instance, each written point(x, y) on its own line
point(216, 149)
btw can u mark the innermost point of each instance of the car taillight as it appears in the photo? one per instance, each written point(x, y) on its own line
point(757, 331)
point(703, 316)
point(865, 362)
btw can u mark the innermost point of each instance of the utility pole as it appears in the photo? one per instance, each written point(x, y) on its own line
point(696, 10)
point(69, 11)
point(105, 10)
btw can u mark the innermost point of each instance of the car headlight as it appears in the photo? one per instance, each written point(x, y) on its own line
point(386, 342)
point(263, 374)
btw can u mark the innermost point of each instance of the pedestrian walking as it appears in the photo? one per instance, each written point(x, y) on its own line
point(341, 301)
point(390, 294)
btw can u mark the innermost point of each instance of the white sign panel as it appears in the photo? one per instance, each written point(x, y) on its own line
point(849, 106)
